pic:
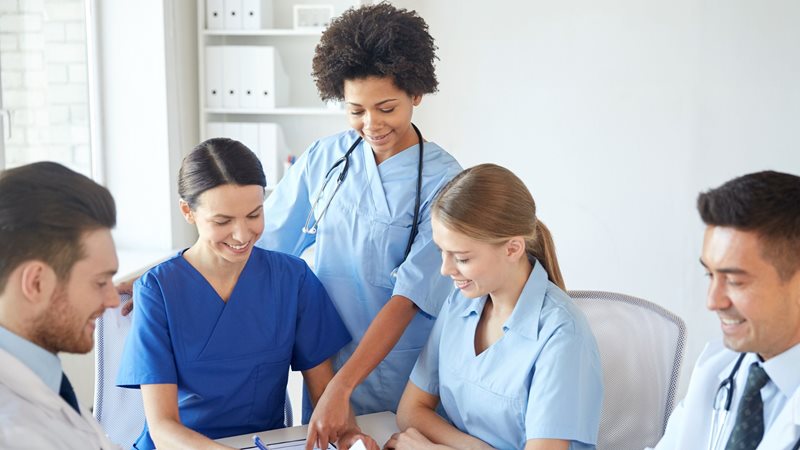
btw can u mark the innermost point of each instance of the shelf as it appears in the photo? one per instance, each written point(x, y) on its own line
point(266, 32)
point(287, 111)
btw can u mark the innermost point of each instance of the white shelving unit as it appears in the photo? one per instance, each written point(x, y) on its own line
point(266, 32)
point(285, 111)
point(305, 118)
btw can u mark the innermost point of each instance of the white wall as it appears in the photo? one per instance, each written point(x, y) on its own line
point(148, 100)
point(616, 114)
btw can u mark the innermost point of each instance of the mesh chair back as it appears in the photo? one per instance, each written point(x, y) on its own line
point(120, 411)
point(641, 349)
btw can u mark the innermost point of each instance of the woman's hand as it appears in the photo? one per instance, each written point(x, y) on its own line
point(351, 436)
point(411, 439)
point(332, 417)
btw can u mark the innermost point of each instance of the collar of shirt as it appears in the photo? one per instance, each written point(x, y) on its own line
point(782, 370)
point(43, 363)
point(529, 305)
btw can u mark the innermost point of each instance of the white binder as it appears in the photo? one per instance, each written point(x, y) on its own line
point(231, 68)
point(233, 14)
point(264, 139)
point(248, 135)
point(257, 14)
point(215, 129)
point(232, 130)
point(273, 88)
point(273, 151)
point(215, 14)
point(249, 77)
point(213, 71)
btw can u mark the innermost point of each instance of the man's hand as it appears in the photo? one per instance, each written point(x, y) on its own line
point(126, 287)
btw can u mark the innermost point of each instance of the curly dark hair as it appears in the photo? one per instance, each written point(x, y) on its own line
point(375, 40)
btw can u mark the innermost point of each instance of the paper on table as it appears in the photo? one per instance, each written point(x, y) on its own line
point(359, 445)
point(299, 444)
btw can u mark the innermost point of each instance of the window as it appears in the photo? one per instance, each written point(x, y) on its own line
point(45, 89)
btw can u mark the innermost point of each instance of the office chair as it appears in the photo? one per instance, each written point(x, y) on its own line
point(641, 349)
point(120, 411)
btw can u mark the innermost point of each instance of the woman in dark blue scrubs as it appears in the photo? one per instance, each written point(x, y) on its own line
point(217, 327)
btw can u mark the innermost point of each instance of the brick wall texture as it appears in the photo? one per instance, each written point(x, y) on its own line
point(44, 81)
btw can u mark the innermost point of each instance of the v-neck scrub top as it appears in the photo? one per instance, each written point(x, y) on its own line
point(541, 379)
point(230, 360)
point(360, 243)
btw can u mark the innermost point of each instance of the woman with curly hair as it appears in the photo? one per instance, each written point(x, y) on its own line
point(363, 198)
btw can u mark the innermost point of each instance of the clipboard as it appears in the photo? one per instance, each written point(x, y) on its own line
point(298, 444)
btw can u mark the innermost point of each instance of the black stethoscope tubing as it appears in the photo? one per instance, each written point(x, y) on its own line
point(345, 159)
point(728, 385)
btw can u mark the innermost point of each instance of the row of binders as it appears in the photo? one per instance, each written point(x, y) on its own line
point(245, 77)
point(238, 14)
point(264, 139)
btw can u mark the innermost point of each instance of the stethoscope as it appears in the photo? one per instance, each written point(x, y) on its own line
point(312, 223)
point(722, 406)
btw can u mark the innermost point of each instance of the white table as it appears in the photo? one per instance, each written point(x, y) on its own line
point(380, 426)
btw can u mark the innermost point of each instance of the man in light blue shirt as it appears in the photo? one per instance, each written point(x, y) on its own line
point(57, 259)
point(745, 390)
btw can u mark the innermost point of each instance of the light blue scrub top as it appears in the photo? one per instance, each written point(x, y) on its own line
point(230, 360)
point(542, 379)
point(361, 239)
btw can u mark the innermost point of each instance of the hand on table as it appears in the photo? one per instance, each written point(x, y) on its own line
point(350, 437)
point(332, 418)
point(411, 439)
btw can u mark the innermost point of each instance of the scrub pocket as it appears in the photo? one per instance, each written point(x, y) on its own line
point(384, 252)
point(269, 395)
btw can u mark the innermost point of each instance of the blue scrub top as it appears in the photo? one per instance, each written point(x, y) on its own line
point(542, 379)
point(361, 240)
point(230, 359)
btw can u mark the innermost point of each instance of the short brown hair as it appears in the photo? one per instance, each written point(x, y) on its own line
point(767, 203)
point(45, 208)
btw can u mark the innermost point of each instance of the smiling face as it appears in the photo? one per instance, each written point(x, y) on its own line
point(759, 312)
point(67, 324)
point(476, 268)
point(381, 114)
point(229, 220)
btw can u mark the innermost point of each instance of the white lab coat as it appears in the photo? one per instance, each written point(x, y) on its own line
point(33, 416)
point(690, 423)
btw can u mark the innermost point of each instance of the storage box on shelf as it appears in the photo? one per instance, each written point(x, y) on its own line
point(255, 69)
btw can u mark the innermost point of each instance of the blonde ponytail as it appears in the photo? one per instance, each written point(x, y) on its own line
point(542, 247)
point(505, 208)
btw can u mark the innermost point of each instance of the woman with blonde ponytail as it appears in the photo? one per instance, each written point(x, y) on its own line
point(511, 359)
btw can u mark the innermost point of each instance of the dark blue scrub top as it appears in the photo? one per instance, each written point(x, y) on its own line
point(230, 360)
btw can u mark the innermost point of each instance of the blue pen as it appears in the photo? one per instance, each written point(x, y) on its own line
point(259, 443)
